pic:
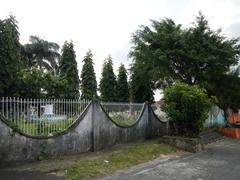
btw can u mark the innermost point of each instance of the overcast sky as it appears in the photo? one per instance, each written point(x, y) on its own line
point(105, 26)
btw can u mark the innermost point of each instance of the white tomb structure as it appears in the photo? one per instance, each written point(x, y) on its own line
point(49, 115)
point(48, 109)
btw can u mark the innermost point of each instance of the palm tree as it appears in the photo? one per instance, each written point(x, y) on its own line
point(41, 53)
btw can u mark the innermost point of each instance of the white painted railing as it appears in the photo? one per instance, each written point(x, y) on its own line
point(41, 117)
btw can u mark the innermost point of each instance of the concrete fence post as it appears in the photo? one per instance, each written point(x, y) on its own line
point(96, 124)
point(92, 129)
point(93, 124)
point(149, 123)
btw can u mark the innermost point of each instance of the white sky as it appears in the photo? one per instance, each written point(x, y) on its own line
point(105, 26)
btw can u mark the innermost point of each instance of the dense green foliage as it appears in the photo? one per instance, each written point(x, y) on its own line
point(23, 67)
point(226, 89)
point(88, 78)
point(34, 83)
point(122, 89)
point(41, 54)
point(191, 55)
point(195, 55)
point(30, 82)
point(108, 81)
point(9, 56)
point(187, 106)
point(33, 70)
point(54, 86)
point(141, 86)
point(68, 70)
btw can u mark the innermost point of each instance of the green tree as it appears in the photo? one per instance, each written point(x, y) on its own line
point(88, 78)
point(108, 82)
point(141, 87)
point(30, 83)
point(34, 83)
point(122, 89)
point(195, 55)
point(54, 86)
point(41, 53)
point(226, 90)
point(68, 70)
point(9, 56)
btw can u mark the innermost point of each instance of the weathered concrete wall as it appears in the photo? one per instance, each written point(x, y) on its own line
point(107, 132)
point(187, 144)
point(157, 127)
point(94, 130)
point(18, 147)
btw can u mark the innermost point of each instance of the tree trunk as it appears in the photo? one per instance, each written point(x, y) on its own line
point(225, 113)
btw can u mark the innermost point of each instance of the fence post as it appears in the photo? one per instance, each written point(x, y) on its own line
point(149, 122)
point(93, 104)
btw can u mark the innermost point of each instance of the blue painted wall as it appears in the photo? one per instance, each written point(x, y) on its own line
point(215, 118)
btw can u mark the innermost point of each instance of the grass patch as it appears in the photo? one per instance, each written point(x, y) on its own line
point(118, 157)
point(124, 122)
point(42, 128)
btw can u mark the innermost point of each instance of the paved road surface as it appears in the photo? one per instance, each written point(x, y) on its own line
point(220, 161)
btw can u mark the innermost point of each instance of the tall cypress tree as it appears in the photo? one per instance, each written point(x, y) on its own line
point(122, 85)
point(88, 78)
point(68, 70)
point(108, 82)
point(9, 56)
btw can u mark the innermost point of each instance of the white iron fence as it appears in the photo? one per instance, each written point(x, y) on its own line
point(123, 113)
point(41, 117)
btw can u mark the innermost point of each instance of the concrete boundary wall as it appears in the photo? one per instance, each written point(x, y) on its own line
point(94, 130)
point(157, 126)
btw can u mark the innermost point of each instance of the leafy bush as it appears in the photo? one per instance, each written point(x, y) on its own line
point(188, 107)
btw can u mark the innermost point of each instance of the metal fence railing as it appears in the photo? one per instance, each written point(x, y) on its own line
point(41, 117)
point(123, 113)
